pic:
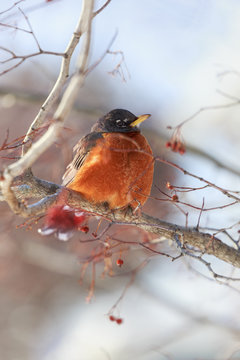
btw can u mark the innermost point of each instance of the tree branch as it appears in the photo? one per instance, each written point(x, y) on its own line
point(186, 236)
point(60, 115)
point(64, 72)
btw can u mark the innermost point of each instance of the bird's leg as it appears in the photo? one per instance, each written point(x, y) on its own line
point(128, 211)
point(105, 205)
point(107, 209)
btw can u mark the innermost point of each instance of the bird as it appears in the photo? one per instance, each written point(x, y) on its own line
point(113, 164)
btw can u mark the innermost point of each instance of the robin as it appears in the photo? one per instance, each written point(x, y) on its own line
point(113, 164)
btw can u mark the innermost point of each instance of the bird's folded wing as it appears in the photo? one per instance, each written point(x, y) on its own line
point(82, 149)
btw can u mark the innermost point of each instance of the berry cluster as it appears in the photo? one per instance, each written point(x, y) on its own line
point(171, 187)
point(176, 146)
point(119, 321)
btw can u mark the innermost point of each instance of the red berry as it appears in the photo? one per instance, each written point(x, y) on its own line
point(182, 149)
point(119, 321)
point(175, 198)
point(84, 229)
point(169, 186)
point(112, 318)
point(168, 144)
point(119, 262)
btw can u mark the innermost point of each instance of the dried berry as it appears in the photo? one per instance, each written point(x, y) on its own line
point(169, 186)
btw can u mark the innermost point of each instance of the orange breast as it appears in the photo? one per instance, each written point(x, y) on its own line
point(118, 170)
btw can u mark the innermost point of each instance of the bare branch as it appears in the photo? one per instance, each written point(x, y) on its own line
point(236, 102)
point(23, 58)
point(63, 76)
point(11, 7)
point(204, 242)
point(226, 192)
point(92, 67)
point(14, 27)
point(62, 111)
point(30, 28)
point(101, 8)
point(118, 70)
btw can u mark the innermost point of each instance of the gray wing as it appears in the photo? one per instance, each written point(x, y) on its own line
point(82, 148)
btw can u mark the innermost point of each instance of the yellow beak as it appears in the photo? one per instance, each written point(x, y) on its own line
point(140, 119)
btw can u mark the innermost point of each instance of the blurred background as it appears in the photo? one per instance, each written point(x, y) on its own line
point(170, 58)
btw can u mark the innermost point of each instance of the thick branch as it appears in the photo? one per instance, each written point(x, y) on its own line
point(206, 243)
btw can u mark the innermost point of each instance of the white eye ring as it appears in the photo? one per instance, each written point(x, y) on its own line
point(121, 122)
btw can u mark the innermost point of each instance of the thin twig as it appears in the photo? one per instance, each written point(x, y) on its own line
point(101, 8)
point(11, 7)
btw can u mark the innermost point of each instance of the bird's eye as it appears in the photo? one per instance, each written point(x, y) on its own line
point(120, 123)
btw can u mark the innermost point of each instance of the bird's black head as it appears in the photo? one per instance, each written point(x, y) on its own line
point(119, 120)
